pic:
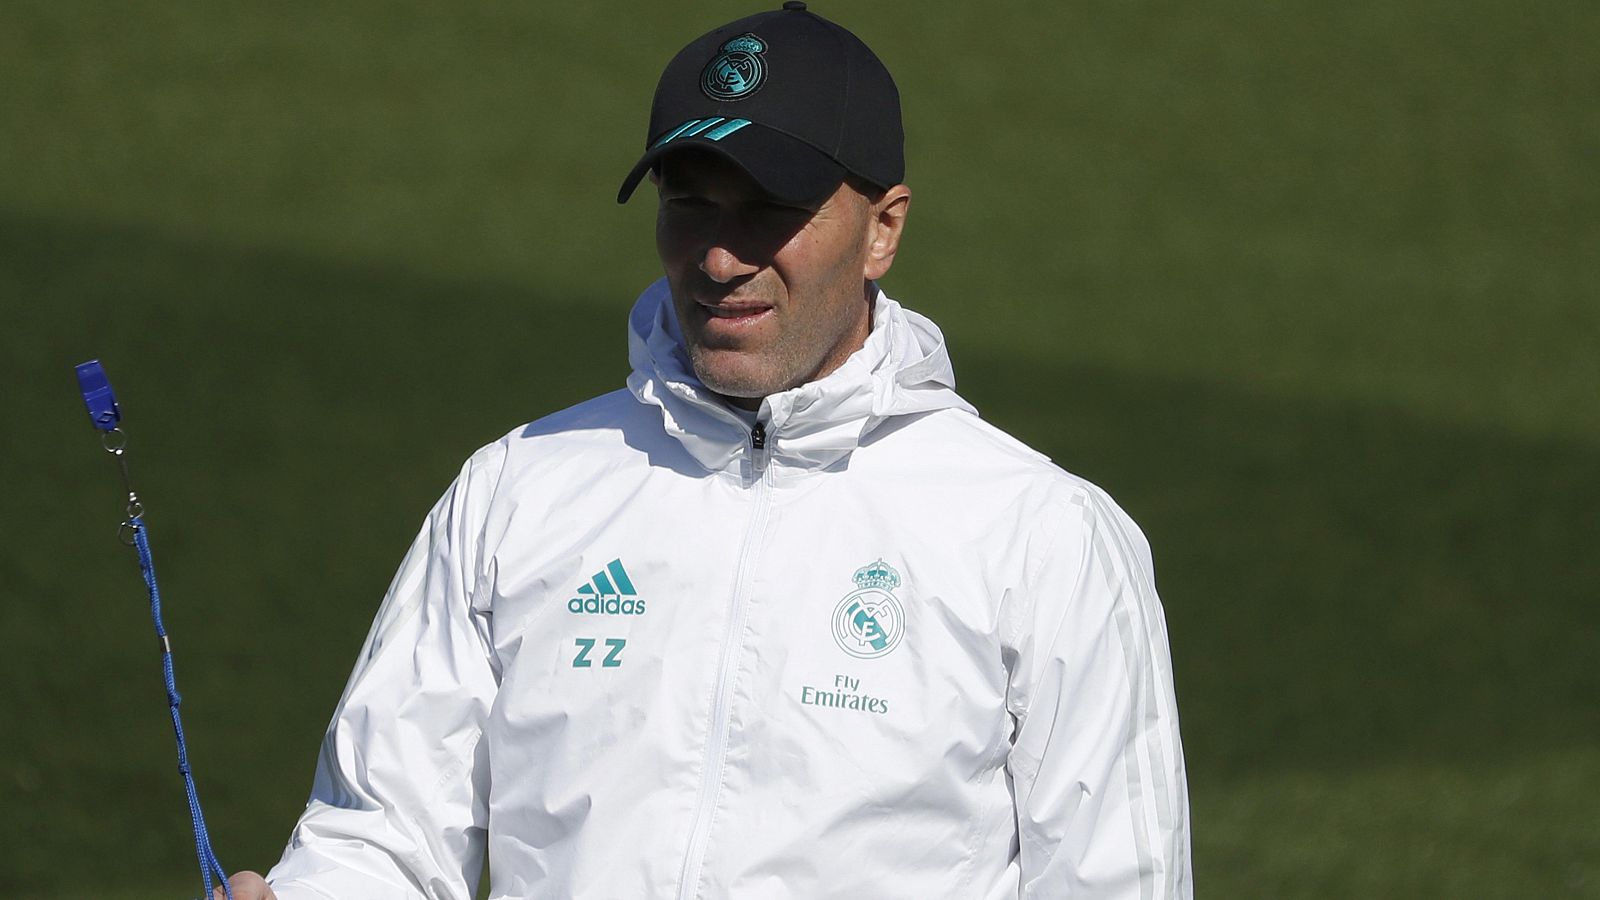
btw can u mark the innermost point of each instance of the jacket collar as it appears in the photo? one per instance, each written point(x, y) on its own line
point(902, 369)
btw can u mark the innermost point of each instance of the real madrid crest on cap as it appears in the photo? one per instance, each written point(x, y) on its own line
point(869, 622)
point(738, 71)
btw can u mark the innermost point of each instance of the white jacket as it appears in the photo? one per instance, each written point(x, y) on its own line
point(892, 653)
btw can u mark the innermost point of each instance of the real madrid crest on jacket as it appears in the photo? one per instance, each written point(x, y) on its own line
point(874, 648)
point(869, 621)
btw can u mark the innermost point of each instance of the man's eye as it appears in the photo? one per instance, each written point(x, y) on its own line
point(688, 202)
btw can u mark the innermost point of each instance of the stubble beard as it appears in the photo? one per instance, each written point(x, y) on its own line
point(787, 361)
point(749, 374)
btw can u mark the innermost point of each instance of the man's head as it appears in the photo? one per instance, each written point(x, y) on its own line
point(769, 294)
point(776, 147)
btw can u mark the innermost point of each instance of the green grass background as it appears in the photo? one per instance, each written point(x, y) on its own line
point(1310, 287)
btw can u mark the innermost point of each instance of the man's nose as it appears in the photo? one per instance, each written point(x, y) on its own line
point(722, 265)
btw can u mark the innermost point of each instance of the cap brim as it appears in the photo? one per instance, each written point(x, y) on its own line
point(786, 168)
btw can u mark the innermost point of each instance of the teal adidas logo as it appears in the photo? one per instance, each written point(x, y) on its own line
point(609, 593)
point(713, 129)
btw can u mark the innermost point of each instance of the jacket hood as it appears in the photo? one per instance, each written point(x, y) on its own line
point(902, 369)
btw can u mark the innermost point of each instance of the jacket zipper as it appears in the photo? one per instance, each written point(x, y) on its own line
point(727, 669)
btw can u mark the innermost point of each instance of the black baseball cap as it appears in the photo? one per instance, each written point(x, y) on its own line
point(792, 98)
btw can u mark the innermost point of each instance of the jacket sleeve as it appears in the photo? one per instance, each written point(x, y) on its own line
point(398, 808)
point(1096, 763)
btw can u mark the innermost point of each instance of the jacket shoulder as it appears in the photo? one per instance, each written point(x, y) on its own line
point(603, 432)
point(597, 422)
point(984, 447)
point(985, 453)
point(607, 413)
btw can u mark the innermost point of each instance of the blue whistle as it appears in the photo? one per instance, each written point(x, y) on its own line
point(103, 409)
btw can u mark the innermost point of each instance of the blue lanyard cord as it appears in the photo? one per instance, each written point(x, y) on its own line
point(209, 863)
point(104, 414)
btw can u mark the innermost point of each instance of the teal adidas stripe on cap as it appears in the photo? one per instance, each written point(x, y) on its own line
point(719, 128)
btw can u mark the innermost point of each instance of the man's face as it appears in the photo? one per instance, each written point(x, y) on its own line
point(768, 295)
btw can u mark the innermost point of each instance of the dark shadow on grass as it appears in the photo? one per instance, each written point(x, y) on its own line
point(1344, 586)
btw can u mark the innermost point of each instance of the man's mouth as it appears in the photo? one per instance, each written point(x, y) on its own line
point(734, 312)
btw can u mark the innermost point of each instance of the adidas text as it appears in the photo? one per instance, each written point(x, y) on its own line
point(606, 606)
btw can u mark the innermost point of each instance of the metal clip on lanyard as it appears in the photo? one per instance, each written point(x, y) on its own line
point(106, 414)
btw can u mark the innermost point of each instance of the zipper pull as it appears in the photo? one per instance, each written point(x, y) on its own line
point(758, 437)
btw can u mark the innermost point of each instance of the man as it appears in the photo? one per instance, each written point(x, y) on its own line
point(784, 618)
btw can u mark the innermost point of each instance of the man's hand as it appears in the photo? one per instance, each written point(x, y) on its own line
point(246, 886)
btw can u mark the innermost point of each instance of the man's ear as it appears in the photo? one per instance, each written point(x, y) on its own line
point(888, 221)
